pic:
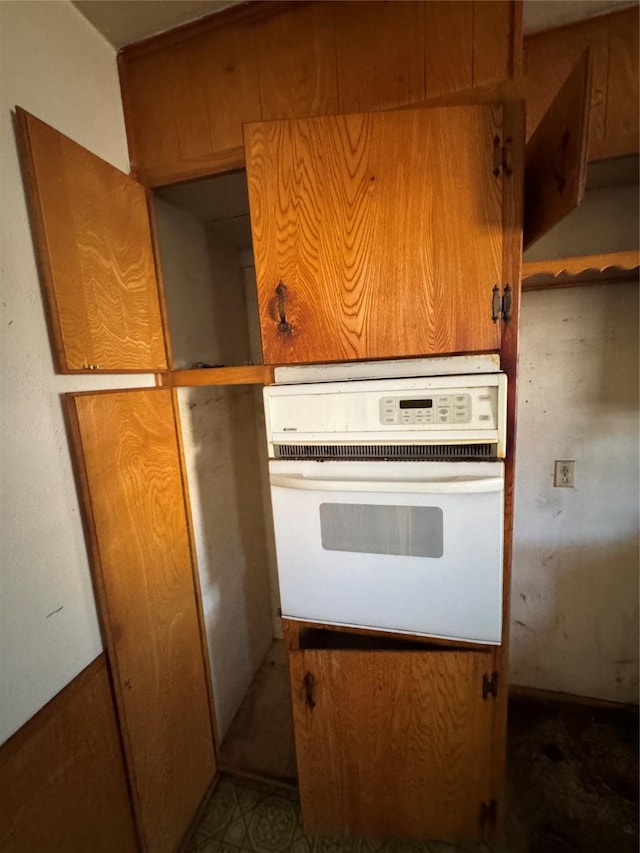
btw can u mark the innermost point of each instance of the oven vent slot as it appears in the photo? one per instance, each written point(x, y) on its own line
point(385, 451)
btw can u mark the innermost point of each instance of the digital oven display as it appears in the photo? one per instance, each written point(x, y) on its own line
point(416, 404)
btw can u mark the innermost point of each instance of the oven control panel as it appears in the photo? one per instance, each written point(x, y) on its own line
point(438, 409)
point(457, 409)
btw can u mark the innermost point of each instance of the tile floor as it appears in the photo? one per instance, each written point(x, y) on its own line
point(254, 817)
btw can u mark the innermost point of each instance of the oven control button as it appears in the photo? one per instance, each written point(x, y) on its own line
point(444, 401)
point(460, 398)
point(484, 418)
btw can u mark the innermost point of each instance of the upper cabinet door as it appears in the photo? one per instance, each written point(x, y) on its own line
point(378, 234)
point(556, 156)
point(93, 237)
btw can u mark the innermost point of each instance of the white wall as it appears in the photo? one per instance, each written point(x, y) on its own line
point(188, 275)
point(55, 65)
point(574, 617)
point(223, 468)
point(205, 291)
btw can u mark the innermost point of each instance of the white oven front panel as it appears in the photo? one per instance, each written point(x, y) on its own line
point(409, 547)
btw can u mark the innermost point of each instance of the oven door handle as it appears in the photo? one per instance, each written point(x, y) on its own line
point(462, 485)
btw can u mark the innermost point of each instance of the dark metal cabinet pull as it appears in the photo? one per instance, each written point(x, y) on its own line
point(309, 683)
point(283, 326)
point(501, 305)
point(506, 303)
point(496, 304)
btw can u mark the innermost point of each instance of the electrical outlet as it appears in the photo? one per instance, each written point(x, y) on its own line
point(563, 473)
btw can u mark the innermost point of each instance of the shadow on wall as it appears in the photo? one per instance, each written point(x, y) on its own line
point(219, 429)
point(577, 628)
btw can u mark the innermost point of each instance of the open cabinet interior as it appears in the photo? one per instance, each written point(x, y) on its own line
point(206, 257)
point(598, 240)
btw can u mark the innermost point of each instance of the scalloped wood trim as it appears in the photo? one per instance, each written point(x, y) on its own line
point(583, 269)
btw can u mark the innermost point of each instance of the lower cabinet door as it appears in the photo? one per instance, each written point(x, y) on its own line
point(393, 743)
point(129, 465)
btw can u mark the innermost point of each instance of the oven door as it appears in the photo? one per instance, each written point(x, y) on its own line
point(413, 547)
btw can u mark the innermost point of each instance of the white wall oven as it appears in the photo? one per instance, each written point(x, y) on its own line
point(388, 496)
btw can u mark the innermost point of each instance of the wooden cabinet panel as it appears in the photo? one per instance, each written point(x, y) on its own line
point(448, 30)
point(380, 52)
point(185, 105)
point(392, 743)
point(551, 57)
point(188, 92)
point(385, 228)
point(96, 257)
point(494, 41)
point(297, 62)
point(613, 41)
point(556, 156)
point(63, 786)
point(130, 469)
point(623, 100)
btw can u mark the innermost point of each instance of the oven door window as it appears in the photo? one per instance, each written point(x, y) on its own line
point(409, 531)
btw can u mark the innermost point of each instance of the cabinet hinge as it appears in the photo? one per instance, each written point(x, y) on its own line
point(502, 157)
point(489, 812)
point(501, 303)
point(490, 685)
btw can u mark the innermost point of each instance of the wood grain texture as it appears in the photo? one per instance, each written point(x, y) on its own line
point(556, 156)
point(130, 476)
point(396, 744)
point(297, 62)
point(448, 31)
point(162, 297)
point(386, 228)
point(512, 215)
point(551, 56)
point(186, 104)
point(622, 120)
point(493, 48)
point(250, 12)
point(95, 252)
point(63, 787)
point(186, 93)
point(254, 374)
point(380, 54)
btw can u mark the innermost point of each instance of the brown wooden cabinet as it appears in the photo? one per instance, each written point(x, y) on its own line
point(377, 235)
point(389, 231)
point(188, 92)
point(613, 43)
point(394, 743)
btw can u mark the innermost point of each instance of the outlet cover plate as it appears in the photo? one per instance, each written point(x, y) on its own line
point(563, 473)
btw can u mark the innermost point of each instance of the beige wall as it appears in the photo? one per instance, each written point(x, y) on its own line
point(55, 65)
point(574, 619)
